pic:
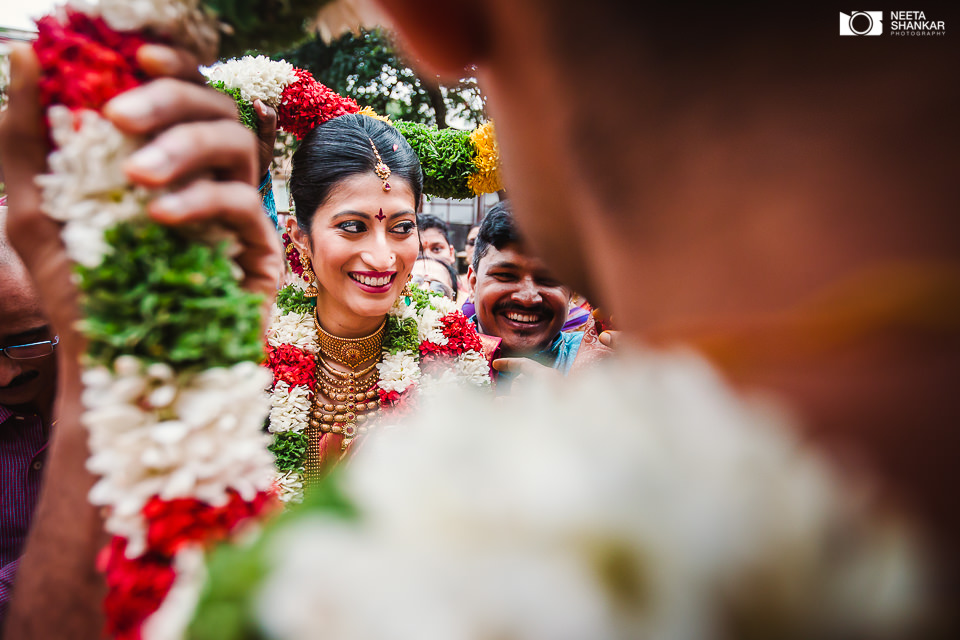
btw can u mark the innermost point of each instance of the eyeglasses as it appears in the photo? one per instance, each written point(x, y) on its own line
point(433, 285)
point(31, 350)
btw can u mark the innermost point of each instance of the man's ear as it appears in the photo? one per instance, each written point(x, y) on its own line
point(472, 279)
point(445, 36)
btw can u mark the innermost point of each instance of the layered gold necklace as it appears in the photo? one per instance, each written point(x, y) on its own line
point(351, 394)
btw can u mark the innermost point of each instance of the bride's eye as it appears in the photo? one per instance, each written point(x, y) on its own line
point(404, 228)
point(352, 226)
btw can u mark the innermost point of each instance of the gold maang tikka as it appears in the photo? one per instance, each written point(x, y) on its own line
point(382, 170)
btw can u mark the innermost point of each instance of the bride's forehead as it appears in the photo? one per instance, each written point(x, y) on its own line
point(364, 192)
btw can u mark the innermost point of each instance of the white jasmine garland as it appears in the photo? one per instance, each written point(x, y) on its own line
point(295, 329)
point(257, 77)
point(290, 407)
point(398, 371)
point(473, 367)
point(401, 310)
point(429, 327)
point(202, 443)
point(86, 187)
point(290, 486)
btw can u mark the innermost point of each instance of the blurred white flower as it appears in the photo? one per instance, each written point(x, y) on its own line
point(644, 499)
point(473, 367)
point(183, 22)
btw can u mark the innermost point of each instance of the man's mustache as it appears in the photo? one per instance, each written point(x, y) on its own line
point(23, 378)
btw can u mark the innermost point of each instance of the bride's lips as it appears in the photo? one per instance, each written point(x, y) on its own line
point(374, 281)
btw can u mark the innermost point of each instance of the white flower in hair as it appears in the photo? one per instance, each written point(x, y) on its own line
point(398, 371)
point(256, 77)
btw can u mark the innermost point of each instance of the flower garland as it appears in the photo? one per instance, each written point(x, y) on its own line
point(173, 396)
point(428, 343)
point(456, 164)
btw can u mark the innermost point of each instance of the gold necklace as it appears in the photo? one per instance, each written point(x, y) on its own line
point(350, 351)
point(353, 403)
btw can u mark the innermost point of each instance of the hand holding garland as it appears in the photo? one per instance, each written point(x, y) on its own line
point(195, 130)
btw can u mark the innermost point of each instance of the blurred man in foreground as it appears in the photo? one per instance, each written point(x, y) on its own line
point(27, 389)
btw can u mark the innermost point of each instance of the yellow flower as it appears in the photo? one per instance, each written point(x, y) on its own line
point(487, 178)
point(368, 111)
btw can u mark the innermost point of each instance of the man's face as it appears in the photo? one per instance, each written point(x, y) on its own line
point(26, 383)
point(432, 243)
point(518, 300)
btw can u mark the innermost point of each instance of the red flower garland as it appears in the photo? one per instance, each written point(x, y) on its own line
point(84, 62)
point(135, 587)
point(292, 365)
point(460, 333)
point(171, 524)
point(306, 103)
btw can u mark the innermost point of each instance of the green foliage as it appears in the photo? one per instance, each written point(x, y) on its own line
point(401, 335)
point(226, 608)
point(290, 449)
point(368, 68)
point(446, 156)
point(262, 25)
point(245, 111)
point(162, 296)
point(291, 299)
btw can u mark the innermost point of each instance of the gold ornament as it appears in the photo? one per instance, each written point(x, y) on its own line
point(309, 275)
point(350, 351)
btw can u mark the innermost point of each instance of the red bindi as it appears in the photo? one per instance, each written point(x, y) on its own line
point(380, 216)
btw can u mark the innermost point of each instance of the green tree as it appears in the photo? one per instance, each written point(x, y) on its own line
point(368, 68)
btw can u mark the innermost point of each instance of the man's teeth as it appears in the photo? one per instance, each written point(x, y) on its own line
point(371, 282)
point(522, 317)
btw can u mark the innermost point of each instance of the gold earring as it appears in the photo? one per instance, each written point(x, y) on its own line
point(309, 276)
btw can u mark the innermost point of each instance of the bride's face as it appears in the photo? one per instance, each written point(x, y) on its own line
point(363, 244)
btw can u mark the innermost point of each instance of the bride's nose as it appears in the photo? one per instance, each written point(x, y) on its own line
point(378, 254)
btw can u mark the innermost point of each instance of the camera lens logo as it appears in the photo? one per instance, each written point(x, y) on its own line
point(861, 23)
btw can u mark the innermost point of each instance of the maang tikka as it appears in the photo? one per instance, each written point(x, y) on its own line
point(382, 170)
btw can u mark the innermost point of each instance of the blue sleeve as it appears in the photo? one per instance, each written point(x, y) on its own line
point(266, 198)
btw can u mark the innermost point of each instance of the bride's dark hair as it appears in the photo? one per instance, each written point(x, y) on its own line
point(340, 148)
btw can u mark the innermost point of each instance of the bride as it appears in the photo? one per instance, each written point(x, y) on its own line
point(353, 338)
